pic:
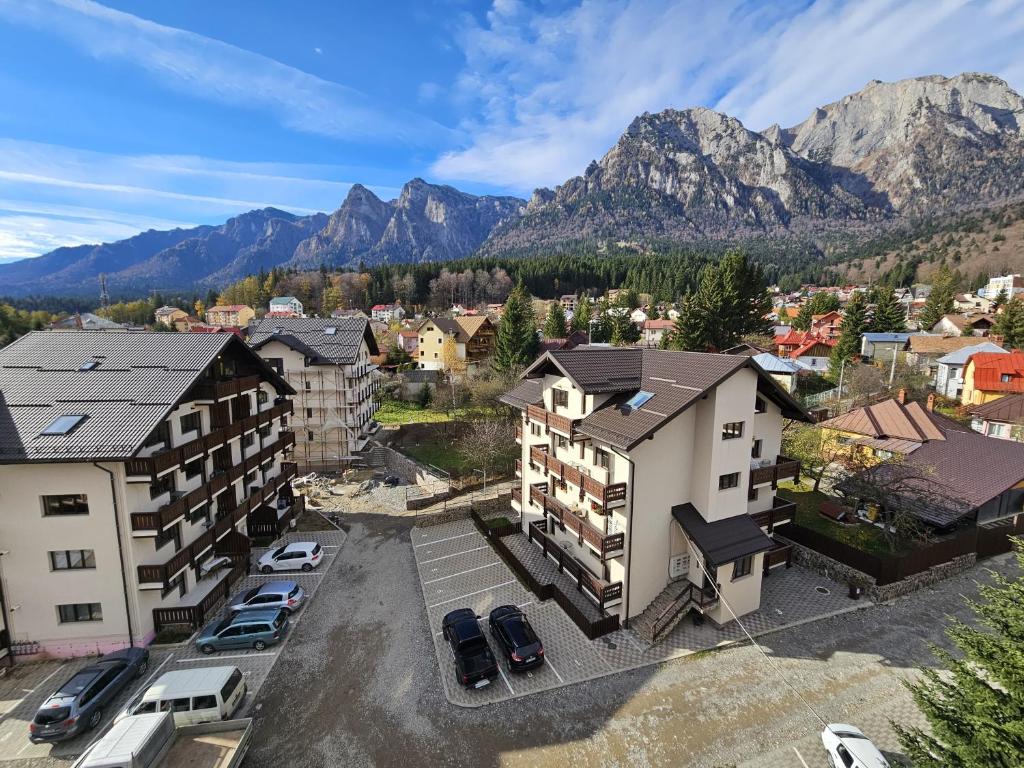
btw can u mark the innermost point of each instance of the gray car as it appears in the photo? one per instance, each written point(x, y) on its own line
point(78, 705)
point(286, 595)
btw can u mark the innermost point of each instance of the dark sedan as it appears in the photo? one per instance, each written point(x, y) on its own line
point(475, 665)
point(523, 649)
point(77, 706)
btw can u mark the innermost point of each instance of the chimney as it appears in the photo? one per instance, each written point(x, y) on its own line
point(931, 402)
point(901, 398)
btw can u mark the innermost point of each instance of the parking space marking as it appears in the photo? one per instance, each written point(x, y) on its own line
point(457, 554)
point(462, 573)
point(30, 690)
point(471, 594)
point(502, 673)
point(232, 656)
point(438, 541)
point(547, 661)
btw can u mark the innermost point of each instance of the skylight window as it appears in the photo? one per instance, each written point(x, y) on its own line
point(330, 330)
point(62, 425)
point(89, 365)
point(637, 400)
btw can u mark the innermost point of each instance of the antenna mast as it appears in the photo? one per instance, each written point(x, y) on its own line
point(104, 296)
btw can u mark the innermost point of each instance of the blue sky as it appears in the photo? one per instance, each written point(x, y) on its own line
point(122, 116)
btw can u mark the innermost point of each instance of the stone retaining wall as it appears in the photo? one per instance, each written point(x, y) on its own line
point(486, 508)
point(819, 563)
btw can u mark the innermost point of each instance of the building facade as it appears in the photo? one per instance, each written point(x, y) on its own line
point(655, 471)
point(473, 339)
point(387, 313)
point(130, 465)
point(232, 315)
point(327, 363)
point(288, 304)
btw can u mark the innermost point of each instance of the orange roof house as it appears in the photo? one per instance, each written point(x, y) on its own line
point(990, 375)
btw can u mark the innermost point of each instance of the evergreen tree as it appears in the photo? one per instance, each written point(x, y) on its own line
point(554, 323)
point(581, 317)
point(624, 331)
point(976, 712)
point(601, 328)
point(802, 321)
point(1010, 324)
point(1000, 299)
point(516, 343)
point(889, 316)
point(853, 325)
point(940, 300)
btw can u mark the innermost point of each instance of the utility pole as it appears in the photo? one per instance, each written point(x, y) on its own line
point(104, 296)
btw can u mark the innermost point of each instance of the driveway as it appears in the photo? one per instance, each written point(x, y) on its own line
point(358, 686)
point(28, 685)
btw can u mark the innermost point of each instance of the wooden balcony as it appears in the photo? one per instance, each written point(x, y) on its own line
point(519, 467)
point(783, 469)
point(159, 463)
point(551, 420)
point(782, 511)
point(517, 497)
point(519, 433)
point(219, 390)
point(605, 494)
point(607, 545)
point(168, 513)
point(600, 592)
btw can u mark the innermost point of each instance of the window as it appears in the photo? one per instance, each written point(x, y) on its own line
point(199, 513)
point(760, 406)
point(535, 429)
point(277, 363)
point(261, 397)
point(247, 440)
point(163, 485)
point(755, 451)
point(561, 441)
point(560, 398)
point(264, 431)
point(89, 365)
point(72, 559)
point(204, 702)
point(732, 430)
point(1006, 377)
point(309, 413)
point(308, 386)
point(309, 436)
point(194, 468)
point(601, 458)
point(330, 330)
point(742, 567)
point(159, 435)
point(639, 399)
point(167, 536)
point(731, 480)
point(752, 494)
point(72, 612)
point(230, 685)
point(70, 504)
point(177, 583)
point(191, 422)
point(63, 425)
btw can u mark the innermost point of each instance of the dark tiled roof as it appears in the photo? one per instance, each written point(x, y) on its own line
point(1009, 408)
point(675, 379)
point(527, 392)
point(723, 541)
point(307, 335)
point(140, 377)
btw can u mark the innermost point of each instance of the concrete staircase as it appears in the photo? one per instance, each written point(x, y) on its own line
point(665, 611)
point(376, 457)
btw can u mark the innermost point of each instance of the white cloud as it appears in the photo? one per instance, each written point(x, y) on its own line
point(318, 51)
point(549, 91)
point(202, 67)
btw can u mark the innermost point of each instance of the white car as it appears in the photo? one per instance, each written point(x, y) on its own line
point(299, 555)
point(848, 747)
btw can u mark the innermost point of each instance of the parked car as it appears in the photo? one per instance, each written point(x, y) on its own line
point(848, 747)
point(246, 629)
point(299, 555)
point(77, 706)
point(523, 649)
point(475, 666)
point(286, 595)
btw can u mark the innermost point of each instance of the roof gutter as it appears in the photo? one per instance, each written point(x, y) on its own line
point(120, 552)
point(629, 536)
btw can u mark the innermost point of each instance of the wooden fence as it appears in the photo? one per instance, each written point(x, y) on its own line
point(888, 568)
point(194, 615)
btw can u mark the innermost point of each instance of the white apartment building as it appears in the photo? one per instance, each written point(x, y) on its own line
point(387, 313)
point(327, 362)
point(652, 473)
point(129, 464)
point(1012, 284)
point(286, 304)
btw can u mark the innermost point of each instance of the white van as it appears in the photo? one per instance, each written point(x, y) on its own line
point(199, 695)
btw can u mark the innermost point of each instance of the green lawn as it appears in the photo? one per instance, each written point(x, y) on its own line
point(398, 412)
point(449, 458)
point(862, 536)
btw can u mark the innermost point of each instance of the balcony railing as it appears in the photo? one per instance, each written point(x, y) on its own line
point(782, 511)
point(218, 390)
point(519, 467)
point(605, 494)
point(519, 433)
point(190, 553)
point(600, 592)
point(551, 420)
point(783, 469)
point(586, 532)
point(159, 463)
point(168, 513)
point(517, 496)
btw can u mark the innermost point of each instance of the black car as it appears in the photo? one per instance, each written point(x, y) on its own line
point(523, 649)
point(77, 706)
point(475, 666)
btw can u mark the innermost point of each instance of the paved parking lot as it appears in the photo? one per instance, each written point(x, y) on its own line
point(459, 569)
point(29, 684)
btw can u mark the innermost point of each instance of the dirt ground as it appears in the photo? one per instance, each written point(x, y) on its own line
point(360, 685)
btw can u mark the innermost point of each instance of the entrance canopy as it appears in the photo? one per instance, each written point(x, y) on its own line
point(723, 541)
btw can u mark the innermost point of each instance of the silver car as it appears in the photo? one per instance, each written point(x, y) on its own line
point(286, 595)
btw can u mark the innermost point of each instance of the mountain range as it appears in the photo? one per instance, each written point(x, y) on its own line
point(885, 154)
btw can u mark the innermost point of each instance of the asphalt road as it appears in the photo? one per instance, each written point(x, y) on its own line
point(360, 685)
